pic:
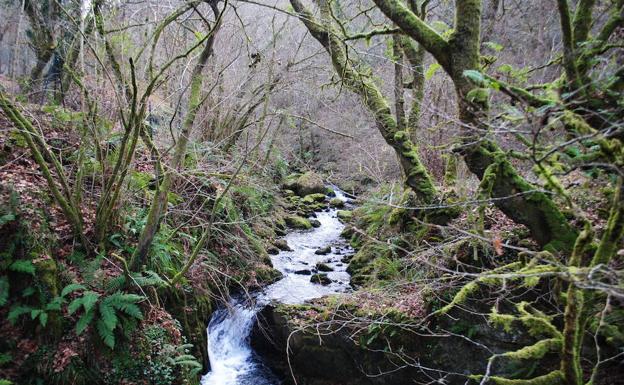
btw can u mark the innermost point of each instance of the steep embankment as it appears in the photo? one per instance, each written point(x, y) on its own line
point(69, 315)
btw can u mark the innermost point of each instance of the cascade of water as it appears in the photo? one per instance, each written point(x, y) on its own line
point(232, 360)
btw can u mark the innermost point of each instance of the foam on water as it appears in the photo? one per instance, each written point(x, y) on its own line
point(232, 361)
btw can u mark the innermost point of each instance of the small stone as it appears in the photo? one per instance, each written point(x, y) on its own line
point(315, 223)
point(272, 250)
point(323, 267)
point(323, 250)
point(303, 272)
point(323, 279)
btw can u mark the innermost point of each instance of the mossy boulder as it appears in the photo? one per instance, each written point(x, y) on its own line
point(345, 215)
point(297, 222)
point(320, 278)
point(336, 202)
point(361, 265)
point(313, 198)
point(305, 184)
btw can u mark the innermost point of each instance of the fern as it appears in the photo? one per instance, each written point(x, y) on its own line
point(145, 279)
point(23, 266)
point(17, 311)
point(107, 314)
point(107, 311)
point(4, 290)
point(84, 321)
point(5, 358)
point(72, 288)
point(106, 334)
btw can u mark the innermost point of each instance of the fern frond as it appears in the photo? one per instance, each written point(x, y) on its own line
point(115, 284)
point(107, 314)
point(89, 299)
point(4, 290)
point(84, 321)
point(107, 335)
point(17, 311)
point(23, 266)
point(71, 288)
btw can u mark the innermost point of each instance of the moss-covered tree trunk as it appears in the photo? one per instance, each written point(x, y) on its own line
point(159, 203)
point(43, 16)
point(346, 66)
point(517, 198)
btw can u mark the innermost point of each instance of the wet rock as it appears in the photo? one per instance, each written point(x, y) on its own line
point(336, 202)
point(315, 222)
point(272, 250)
point(322, 279)
point(297, 222)
point(306, 184)
point(345, 215)
point(323, 250)
point(282, 245)
point(347, 232)
point(303, 272)
point(330, 192)
point(313, 198)
point(323, 267)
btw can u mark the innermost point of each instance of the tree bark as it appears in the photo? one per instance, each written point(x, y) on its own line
point(517, 198)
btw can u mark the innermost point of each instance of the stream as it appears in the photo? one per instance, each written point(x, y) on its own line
point(232, 360)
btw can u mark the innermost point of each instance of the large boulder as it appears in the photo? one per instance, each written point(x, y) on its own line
point(305, 184)
point(297, 222)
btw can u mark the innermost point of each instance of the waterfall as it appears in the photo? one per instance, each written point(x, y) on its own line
point(232, 360)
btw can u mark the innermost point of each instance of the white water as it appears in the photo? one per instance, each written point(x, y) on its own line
point(232, 360)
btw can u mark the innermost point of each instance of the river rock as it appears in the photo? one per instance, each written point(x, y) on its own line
point(297, 222)
point(315, 223)
point(345, 215)
point(336, 202)
point(323, 279)
point(323, 267)
point(323, 250)
point(303, 272)
point(313, 198)
point(282, 245)
point(306, 184)
point(272, 250)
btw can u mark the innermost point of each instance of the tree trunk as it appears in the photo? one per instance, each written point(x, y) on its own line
point(517, 198)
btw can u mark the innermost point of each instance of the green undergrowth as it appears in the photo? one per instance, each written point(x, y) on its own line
point(77, 318)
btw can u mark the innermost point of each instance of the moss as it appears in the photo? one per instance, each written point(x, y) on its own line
point(48, 281)
point(345, 215)
point(297, 222)
point(361, 265)
point(336, 202)
point(313, 198)
point(417, 176)
point(267, 275)
point(552, 378)
point(536, 351)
